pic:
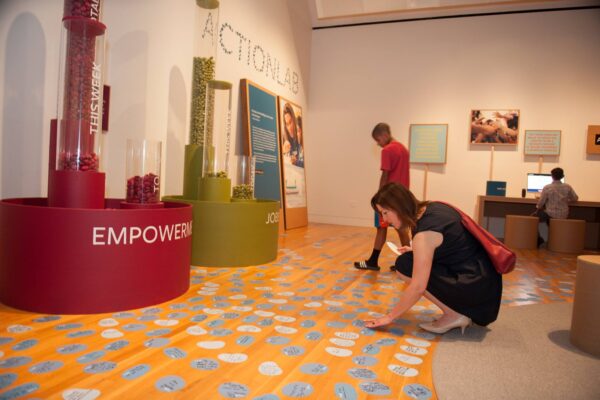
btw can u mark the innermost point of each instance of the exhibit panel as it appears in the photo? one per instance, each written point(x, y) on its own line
point(293, 163)
point(260, 141)
point(274, 137)
point(427, 144)
point(261, 131)
point(542, 143)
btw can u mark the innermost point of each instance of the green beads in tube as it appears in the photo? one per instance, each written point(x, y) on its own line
point(203, 71)
point(243, 191)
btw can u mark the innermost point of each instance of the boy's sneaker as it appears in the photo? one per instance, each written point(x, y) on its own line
point(365, 265)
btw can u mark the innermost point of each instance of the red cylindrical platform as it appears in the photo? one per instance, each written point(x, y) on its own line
point(80, 261)
point(75, 189)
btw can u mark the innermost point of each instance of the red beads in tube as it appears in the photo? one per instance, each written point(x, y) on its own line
point(143, 171)
point(143, 189)
point(83, 8)
point(80, 94)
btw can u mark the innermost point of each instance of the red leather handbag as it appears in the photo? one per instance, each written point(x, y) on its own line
point(503, 258)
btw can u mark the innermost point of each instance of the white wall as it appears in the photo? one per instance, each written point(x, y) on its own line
point(545, 64)
point(149, 68)
point(28, 97)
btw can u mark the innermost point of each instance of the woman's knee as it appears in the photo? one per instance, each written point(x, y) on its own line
point(404, 265)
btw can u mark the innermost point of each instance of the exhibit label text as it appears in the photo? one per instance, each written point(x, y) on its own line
point(127, 235)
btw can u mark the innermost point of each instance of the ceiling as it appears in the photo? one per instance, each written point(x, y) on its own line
point(330, 13)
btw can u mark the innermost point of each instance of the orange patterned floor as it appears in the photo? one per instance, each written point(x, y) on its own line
point(289, 329)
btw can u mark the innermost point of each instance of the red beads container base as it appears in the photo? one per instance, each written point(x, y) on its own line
point(76, 189)
point(59, 260)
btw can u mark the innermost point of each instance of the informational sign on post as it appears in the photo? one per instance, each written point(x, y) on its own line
point(260, 124)
point(542, 143)
point(427, 143)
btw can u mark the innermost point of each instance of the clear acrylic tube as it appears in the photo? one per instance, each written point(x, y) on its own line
point(217, 130)
point(205, 56)
point(244, 190)
point(80, 94)
point(143, 171)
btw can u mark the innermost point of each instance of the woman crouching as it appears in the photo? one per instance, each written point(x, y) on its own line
point(444, 263)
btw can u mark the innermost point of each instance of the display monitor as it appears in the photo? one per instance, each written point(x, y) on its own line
point(536, 182)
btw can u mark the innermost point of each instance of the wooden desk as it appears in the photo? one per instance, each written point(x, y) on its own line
point(499, 207)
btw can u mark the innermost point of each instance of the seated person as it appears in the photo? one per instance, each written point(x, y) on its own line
point(554, 200)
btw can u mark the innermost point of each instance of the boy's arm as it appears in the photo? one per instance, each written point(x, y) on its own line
point(384, 179)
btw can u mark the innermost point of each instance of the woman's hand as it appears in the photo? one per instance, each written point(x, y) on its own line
point(404, 249)
point(374, 323)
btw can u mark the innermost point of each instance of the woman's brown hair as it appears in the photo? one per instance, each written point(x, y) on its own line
point(396, 197)
point(287, 109)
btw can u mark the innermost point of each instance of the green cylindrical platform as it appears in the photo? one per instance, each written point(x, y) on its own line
point(233, 234)
point(214, 189)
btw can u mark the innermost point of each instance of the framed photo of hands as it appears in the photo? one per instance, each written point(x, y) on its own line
point(495, 127)
point(293, 162)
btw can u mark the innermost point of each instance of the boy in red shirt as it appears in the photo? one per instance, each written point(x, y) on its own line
point(394, 168)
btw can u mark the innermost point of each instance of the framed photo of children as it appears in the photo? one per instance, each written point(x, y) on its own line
point(427, 143)
point(495, 127)
point(542, 143)
point(293, 162)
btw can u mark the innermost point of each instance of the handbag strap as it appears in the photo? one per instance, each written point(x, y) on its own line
point(466, 219)
point(503, 265)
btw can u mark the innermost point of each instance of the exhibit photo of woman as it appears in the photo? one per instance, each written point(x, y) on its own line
point(495, 126)
point(291, 145)
point(292, 153)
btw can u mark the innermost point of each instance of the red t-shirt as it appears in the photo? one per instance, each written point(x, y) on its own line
point(394, 160)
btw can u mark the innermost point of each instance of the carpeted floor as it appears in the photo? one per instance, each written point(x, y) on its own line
point(525, 354)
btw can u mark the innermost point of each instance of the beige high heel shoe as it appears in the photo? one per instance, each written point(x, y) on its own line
point(461, 322)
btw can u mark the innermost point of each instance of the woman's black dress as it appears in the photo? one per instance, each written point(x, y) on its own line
point(462, 275)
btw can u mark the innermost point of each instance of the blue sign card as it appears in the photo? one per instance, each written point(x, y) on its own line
point(264, 142)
